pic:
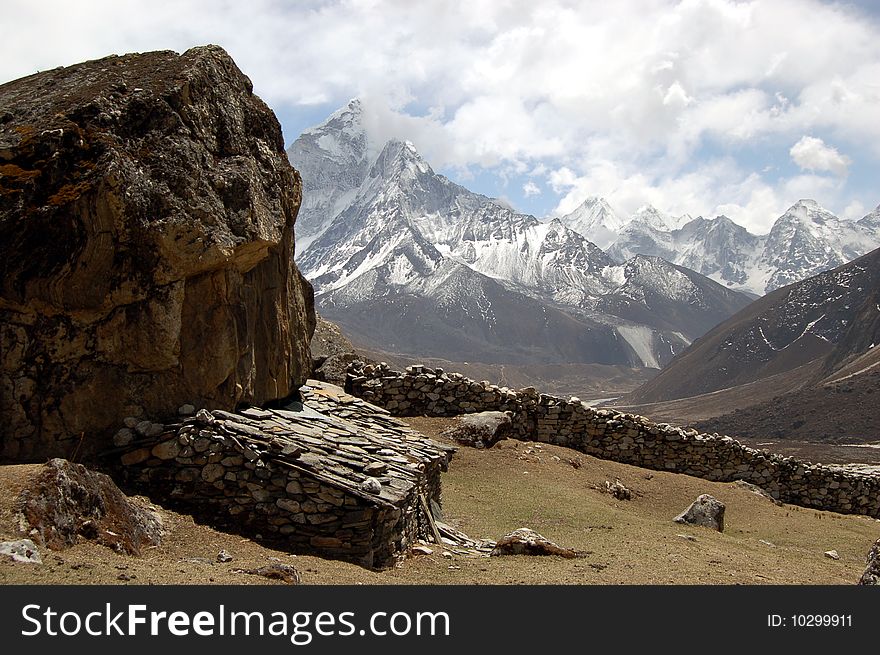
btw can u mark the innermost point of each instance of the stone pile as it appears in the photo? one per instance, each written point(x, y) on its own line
point(627, 438)
point(331, 474)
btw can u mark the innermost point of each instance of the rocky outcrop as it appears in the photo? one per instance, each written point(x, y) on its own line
point(66, 502)
point(146, 241)
point(332, 352)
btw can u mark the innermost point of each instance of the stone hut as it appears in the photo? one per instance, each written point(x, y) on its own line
point(331, 475)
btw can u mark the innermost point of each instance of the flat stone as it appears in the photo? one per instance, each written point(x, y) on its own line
point(166, 450)
point(22, 550)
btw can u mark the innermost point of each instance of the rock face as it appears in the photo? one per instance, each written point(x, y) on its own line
point(66, 502)
point(706, 511)
point(146, 241)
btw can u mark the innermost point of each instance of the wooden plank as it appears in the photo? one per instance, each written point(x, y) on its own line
point(437, 538)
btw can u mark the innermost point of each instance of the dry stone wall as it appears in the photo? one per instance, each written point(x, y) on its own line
point(617, 436)
point(331, 474)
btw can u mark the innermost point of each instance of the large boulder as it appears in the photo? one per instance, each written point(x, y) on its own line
point(146, 239)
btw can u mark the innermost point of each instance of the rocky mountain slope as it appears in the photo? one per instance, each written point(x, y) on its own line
point(415, 263)
point(816, 340)
point(805, 240)
point(146, 249)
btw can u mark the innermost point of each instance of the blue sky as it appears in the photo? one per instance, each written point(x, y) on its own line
point(697, 106)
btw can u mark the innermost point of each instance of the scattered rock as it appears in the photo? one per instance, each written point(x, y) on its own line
point(705, 511)
point(575, 462)
point(446, 554)
point(832, 554)
point(871, 576)
point(64, 502)
point(186, 410)
point(223, 556)
point(23, 550)
point(767, 543)
point(526, 541)
point(689, 537)
point(284, 572)
point(480, 430)
point(618, 490)
point(125, 577)
point(420, 549)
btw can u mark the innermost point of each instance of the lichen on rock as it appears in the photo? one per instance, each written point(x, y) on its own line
point(146, 239)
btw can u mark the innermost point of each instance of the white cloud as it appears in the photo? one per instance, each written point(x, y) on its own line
point(531, 189)
point(627, 96)
point(811, 154)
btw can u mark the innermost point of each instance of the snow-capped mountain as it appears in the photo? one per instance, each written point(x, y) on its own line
point(413, 261)
point(333, 159)
point(805, 240)
point(596, 220)
point(808, 239)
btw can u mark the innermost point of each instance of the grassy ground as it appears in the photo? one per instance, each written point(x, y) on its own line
point(515, 484)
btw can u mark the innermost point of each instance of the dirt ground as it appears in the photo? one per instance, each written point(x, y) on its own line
point(487, 493)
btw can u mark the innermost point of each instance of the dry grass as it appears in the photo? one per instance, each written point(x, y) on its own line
point(490, 492)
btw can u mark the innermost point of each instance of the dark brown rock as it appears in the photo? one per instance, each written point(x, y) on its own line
point(146, 239)
point(332, 352)
point(65, 502)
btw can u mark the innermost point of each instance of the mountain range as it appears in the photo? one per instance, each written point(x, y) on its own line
point(411, 262)
point(805, 240)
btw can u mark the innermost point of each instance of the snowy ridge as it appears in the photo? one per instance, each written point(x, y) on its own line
point(805, 240)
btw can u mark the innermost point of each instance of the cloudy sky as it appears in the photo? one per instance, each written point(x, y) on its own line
point(699, 106)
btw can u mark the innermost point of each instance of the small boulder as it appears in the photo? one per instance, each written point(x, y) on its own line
point(832, 554)
point(23, 550)
point(480, 430)
point(705, 511)
point(871, 576)
point(525, 541)
point(223, 556)
point(618, 490)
